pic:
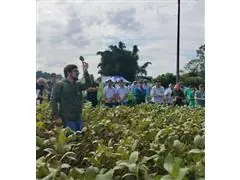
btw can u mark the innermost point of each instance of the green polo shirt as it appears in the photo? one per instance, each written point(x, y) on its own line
point(67, 99)
point(189, 95)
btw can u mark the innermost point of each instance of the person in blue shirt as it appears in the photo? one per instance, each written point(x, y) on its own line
point(200, 96)
point(133, 86)
point(140, 93)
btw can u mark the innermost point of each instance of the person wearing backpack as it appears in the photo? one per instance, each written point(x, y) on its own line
point(67, 98)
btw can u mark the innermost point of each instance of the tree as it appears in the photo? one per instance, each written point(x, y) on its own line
point(196, 67)
point(186, 78)
point(141, 70)
point(45, 75)
point(117, 61)
point(166, 79)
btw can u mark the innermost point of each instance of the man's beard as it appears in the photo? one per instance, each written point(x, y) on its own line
point(75, 78)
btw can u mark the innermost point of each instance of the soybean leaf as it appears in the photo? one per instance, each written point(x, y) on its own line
point(168, 163)
point(166, 177)
point(133, 157)
point(182, 173)
point(176, 168)
point(195, 151)
point(128, 174)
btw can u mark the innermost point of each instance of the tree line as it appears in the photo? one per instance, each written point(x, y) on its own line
point(117, 60)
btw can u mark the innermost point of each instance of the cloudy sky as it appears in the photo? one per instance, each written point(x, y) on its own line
point(68, 29)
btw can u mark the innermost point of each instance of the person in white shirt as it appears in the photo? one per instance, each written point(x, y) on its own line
point(122, 93)
point(133, 86)
point(116, 85)
point(168, 95)
point(157, 93)
point(109, 94)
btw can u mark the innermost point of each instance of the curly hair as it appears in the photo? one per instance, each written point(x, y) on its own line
point(69, 68)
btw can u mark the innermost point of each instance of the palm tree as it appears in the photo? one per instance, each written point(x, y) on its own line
point(141, 70)
point(117, 61)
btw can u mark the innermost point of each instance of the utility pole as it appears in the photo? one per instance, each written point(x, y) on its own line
point(178, 42)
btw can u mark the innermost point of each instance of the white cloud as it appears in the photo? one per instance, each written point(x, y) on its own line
point(66, 30)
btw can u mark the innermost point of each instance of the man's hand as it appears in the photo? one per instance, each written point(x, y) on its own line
point(85, 66)
point(58, 122)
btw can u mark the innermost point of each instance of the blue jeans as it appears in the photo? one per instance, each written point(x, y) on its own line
point(74, 125)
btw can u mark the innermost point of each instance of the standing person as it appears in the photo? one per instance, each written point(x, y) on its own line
point(130, 96)
point(168, 95)
point(41, 85)
point(109, 94)
point(148, 90)
point(50, 84)
point(200, 96)
point(117, 85)
point(140, 93)
point(178, 95)
point(122, 93)
point(147, 87)
point(191, 97)
point(188, 92)
point(133, 86)
point(67, 98)
point(157, 93)
point(182, 87)
point(92, 92)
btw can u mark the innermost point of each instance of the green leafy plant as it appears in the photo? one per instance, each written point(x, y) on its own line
point(142, 142)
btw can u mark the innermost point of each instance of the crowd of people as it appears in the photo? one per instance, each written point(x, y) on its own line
point(44, 88)
point(118, 93)
point(67, 96)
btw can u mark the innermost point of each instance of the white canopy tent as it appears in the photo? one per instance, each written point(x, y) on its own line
point(114, 79)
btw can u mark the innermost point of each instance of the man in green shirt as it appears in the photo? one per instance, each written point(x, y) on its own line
point(67, 98)
point(189, 95)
